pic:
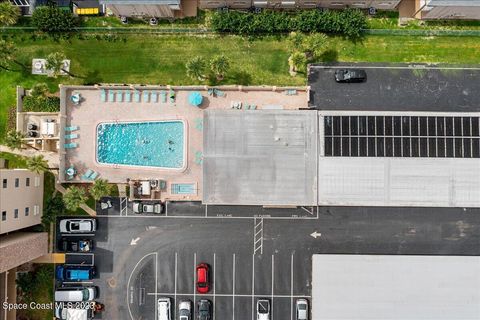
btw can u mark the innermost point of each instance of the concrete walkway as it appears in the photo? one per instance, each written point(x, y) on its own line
point(52, 158)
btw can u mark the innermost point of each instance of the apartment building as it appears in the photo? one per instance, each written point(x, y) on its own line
point(21, 199)
point(21, 206)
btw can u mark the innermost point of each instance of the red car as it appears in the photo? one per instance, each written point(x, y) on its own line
point(203, 282)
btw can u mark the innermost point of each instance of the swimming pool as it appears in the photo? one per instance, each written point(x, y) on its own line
point(158, 144)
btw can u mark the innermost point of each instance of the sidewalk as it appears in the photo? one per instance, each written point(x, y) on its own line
point(52, 157)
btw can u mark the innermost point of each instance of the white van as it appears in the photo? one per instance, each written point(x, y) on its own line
point(76, 294)
point(164, 312)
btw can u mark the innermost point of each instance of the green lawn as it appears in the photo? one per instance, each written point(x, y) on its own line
point(155, 59)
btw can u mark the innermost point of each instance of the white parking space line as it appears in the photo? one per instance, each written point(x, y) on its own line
point(194, 280)
point(209, 217)
point(253, 286)
point(130, 289)
point(412, 66)
point(273, 280)
point(291, 287)
point(175, 284)
point(229, 295)
point(214, 282)
point(156, 284)
point(77, 282)
point(233, 290)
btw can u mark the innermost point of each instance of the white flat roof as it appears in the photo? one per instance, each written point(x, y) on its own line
point(378, 287)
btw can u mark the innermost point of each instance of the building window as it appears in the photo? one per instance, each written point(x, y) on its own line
point(36, 210)
point(27, 211)
point(5, 183)
point(17, 182)
point(15, 213)
point(37, 181)
point(4, 215)
point(27, 182)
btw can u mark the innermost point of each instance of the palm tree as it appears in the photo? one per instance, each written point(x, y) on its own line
point(9, 13)
point(219, 66)
point(295, 41)
point(37, 164)
point(74, 197)
point(297, 62)
point(54, 63)
point(99, 189)
point(14, 139)
point(196, 68)
point(8, 54)
point(314, 45)
point(39, 90)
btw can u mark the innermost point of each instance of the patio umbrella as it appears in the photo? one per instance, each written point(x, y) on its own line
point(195, 98)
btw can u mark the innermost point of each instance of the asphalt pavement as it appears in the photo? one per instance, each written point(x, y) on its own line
point(397, 87)
point(143, 258)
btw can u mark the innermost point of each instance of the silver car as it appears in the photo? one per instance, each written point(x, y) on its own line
point(185, 310)
point(263, 309)
point(302, 309)
point(78, 225)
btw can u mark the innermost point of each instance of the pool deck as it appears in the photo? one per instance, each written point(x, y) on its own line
point(92, 111)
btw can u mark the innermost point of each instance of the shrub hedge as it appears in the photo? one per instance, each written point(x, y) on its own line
point(46, 104)
point(348, 22)
point(53, 19)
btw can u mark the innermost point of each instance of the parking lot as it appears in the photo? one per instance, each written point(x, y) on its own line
point(142, 258)
point(399, 87)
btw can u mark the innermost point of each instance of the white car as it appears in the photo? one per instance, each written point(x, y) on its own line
point(302, 309)
point(78, 225)
point(140, 207)
point(164, 312)
point(263, 309)
point(185, 310)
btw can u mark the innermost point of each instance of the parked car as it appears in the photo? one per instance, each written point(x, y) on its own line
point(75, 273)
point(164, 309)
point(68, 245)
point(147, 207)
point(203, 285)
point(76, 294)
point(203, 308)
point(263, 309)
point(78, 225)
point(302, 309)
point(350, 75)
point(185, 310)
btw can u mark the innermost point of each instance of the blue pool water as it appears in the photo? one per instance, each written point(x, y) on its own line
point(147, 144)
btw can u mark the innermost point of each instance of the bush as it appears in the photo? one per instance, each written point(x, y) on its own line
point(348, 22)
point(53, 19)
point(42, 104)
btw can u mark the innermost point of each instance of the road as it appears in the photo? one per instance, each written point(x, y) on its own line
point(142, 258)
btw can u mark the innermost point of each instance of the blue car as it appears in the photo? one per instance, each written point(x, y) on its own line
point(72, 273)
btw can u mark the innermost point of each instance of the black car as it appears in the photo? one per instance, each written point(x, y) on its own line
point(350, 75)
point(203, 308)
point(67, 245)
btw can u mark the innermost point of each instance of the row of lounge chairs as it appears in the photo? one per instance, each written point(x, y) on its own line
point(90, 175)
point(240, 105)
point(149, 96)
point(69, 135)
point(216, 92)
